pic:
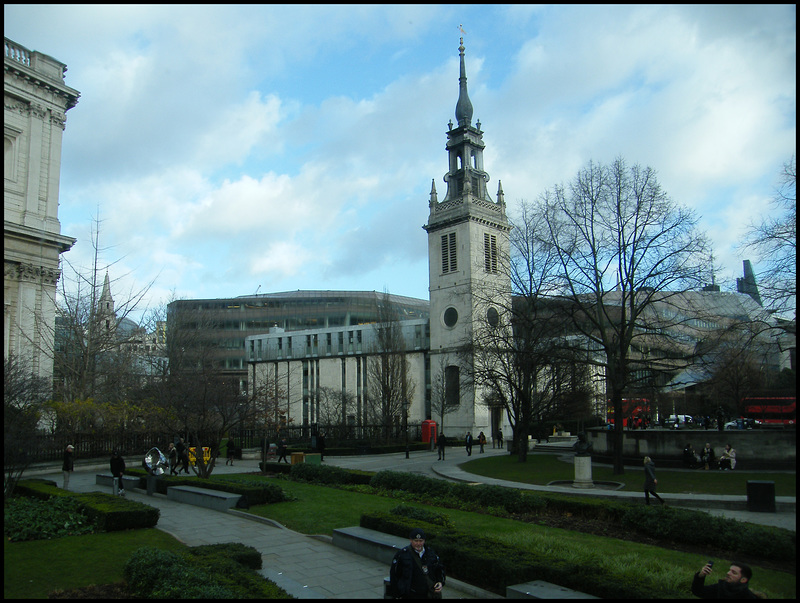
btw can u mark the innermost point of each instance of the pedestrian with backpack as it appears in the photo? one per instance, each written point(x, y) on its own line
point(416, 571)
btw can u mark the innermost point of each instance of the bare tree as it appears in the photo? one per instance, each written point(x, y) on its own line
point(24, 396)
point(390, 385)
point(775, 242)
point(94, 339)
point(521, 357)
point(740, 360)
point(193, 396)
point(621, 245)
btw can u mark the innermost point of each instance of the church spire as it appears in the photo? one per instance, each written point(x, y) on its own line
point(463, 106)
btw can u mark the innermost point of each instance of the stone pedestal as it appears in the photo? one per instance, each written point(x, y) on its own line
point(583, 472)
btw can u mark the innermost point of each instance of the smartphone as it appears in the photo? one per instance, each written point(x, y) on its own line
point(710, 564)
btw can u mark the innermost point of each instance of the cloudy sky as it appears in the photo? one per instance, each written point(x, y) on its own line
point(230, 149)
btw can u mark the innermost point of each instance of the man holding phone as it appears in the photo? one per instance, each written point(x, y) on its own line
point(736, 584)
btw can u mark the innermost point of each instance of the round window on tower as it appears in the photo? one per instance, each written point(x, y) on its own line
point(450, 317)
point(492, 317)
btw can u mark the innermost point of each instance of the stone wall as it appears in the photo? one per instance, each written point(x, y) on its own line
point(755, 448)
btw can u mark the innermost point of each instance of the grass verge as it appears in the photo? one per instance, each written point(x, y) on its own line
point(319, 510)
point(35, 568)
point(540, 469)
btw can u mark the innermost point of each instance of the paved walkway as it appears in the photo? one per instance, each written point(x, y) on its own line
point(310, 567)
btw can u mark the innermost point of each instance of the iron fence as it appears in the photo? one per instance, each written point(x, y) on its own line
point(44, 448)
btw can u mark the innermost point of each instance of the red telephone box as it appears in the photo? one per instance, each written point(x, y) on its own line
point(429, 431)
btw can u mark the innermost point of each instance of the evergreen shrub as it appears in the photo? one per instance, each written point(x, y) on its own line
point(205, 572)
point(417, 514)
point(494, 565)
point(35, 519)
point(110, 513)
point(328, 475)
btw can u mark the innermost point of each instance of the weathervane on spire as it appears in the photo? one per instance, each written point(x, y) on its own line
point(463, 33)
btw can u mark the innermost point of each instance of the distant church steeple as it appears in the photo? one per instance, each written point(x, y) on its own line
point(105, 307)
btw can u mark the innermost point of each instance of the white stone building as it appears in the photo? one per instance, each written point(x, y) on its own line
point(35, 102)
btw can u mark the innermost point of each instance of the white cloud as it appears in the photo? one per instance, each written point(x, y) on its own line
point(293, 146)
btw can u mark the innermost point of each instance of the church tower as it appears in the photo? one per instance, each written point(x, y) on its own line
point(106, 315)
point(467, 257)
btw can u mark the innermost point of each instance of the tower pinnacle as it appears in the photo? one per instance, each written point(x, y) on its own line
point(463, 106)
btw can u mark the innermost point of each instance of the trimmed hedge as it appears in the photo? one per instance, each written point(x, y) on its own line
point(666, 523)
point(328, 475)
point(493, 565)
point(220, 571)
point(257, 494)
point(26, 518)
point(696, 527)
point(111, 513)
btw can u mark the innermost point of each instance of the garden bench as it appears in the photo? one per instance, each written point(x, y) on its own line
point(539, 589)
point(369, 543)
point(211, 499)
point(106, 479)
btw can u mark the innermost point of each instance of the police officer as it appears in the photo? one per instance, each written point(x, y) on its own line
point(417, 572)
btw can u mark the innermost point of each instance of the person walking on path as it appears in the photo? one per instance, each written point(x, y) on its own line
point(183, 455)
point(117, 466)
point(231, 452)
point(481, 441)
point(172, 456)
point(416, 571)
point(282, 448)
point(468, 443)
point(67, 466)
point(441, 445)
point(736, 584)
point(650, 481)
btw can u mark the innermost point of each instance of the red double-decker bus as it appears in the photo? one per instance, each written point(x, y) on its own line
point(632, 408)
point(771, 411)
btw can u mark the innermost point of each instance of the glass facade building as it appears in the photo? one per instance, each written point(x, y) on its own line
point(223, 324)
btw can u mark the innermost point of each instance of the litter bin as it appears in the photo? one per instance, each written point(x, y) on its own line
point(298, 457)
point(760, 496)
point(313, 458)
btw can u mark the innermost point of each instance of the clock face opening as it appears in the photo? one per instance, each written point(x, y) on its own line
point(492, 317)
point(450, 317)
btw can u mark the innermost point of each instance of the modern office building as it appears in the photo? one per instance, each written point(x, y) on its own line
point(224, 324)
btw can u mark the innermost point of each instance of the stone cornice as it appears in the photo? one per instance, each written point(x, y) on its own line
point(62, 242)
point(31, 273)
point(38, 70)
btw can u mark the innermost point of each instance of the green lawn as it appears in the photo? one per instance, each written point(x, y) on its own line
point(544, 468)
point(32, 569)
point(319, 510)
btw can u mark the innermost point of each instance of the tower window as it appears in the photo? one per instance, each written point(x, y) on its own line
point(449, 253)
point(452, 386)
point(490, 253)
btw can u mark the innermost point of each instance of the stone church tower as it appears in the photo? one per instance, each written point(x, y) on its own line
point(35, 101)
point(469, 283)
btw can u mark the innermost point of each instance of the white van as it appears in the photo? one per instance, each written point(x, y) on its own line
point(678, 421)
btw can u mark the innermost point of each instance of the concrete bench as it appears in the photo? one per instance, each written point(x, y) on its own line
point(211, 499)
point(539, 589)
point(106, 479)
point(369, 543)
